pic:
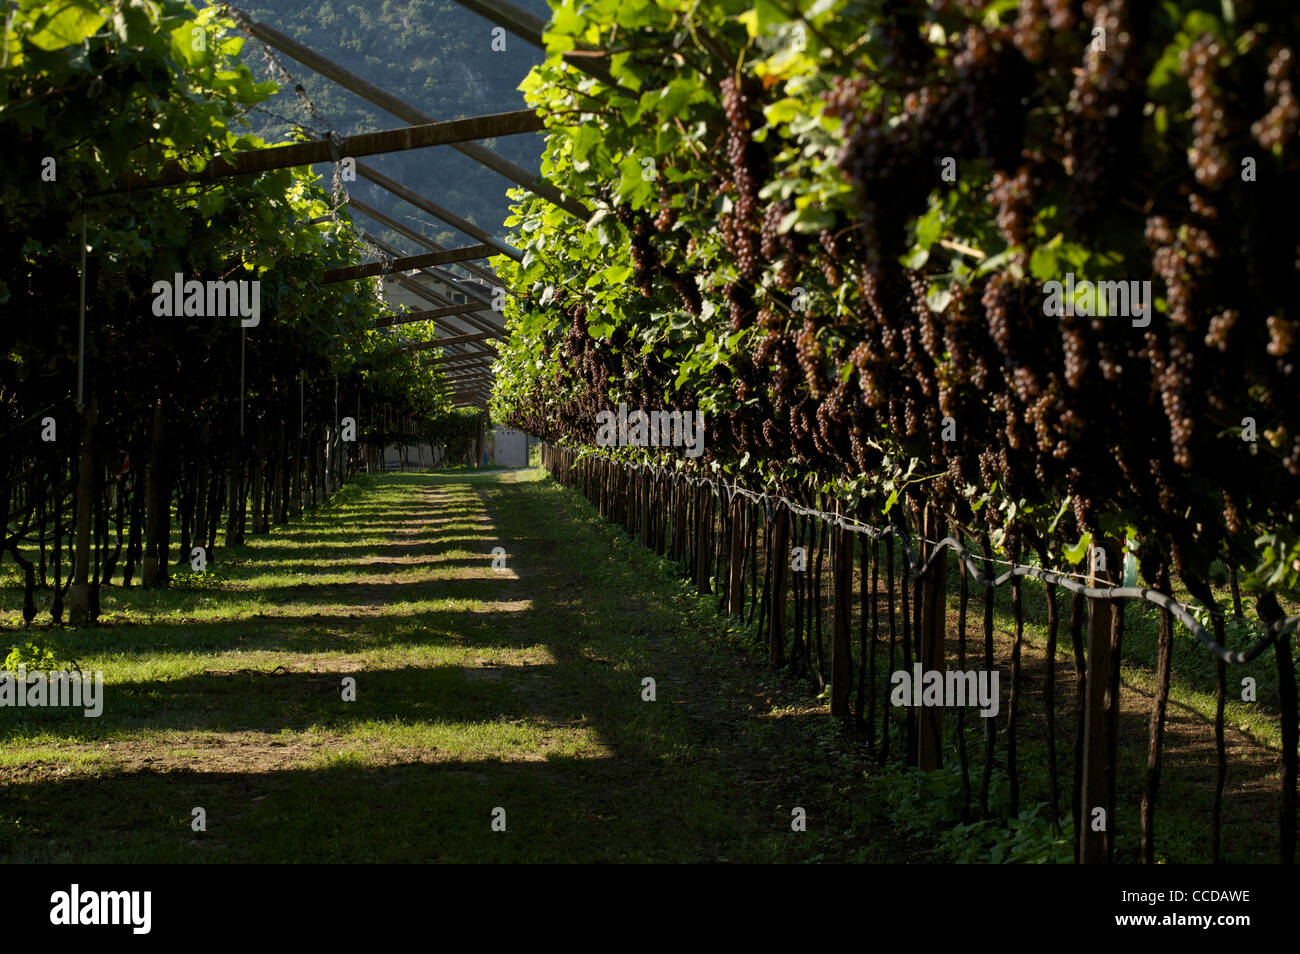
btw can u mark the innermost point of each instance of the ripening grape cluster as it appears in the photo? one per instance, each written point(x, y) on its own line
point(844, 354)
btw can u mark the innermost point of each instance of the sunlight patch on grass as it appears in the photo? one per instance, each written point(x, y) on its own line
point(504, 740)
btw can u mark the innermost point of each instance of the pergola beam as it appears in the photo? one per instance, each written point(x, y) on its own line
point(437, 211)
point(306, 153)
point(433, 314)
point(443, 301)
point(438, 298)
point(403, 110)
point(474, 366)
point(530, 28)
point(486, 375)
point(471, 320)
point(463, 359)
point(354, 272)
point(482, 272)
point(442, 342)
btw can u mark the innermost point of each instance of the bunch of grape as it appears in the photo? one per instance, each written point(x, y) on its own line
point(1031, 30)
point(746, 161)
point(1208, 158)
point(1105, 111)
point(1279, 124)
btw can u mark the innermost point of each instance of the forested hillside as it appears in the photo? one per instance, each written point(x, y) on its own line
point(433, 54)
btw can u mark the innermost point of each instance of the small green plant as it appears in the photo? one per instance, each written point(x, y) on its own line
point(928, 805)
point(36, 656)
point(186, 578)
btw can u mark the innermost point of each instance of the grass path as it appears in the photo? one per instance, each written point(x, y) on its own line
point(476, 689)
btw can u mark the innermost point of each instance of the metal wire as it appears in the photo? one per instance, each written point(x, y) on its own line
point(1066, 580)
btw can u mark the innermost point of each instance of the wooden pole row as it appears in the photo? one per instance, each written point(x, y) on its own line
point(707, 536)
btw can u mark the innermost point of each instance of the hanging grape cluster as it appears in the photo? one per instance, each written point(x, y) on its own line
point(1075, 145)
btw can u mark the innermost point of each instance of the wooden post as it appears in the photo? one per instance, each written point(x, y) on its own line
point(703, 522)
point(259, 469)
point(780, 553)
point(1096, 790)
point(645, 492)
point(930, 647)
point(158, 520)
point(841, 661)
point(79, 593)
point(736, 559)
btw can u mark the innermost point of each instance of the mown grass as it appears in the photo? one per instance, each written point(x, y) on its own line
point(475, 689)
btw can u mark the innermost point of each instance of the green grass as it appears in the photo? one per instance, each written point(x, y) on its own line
point(474, 689)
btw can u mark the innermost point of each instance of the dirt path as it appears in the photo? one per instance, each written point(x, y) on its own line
point(478, 689)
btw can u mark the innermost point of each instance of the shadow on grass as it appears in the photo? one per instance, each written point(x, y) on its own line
point(559, 810)
point(679, 779)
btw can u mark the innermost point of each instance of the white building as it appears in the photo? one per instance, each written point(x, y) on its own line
point(507, 447)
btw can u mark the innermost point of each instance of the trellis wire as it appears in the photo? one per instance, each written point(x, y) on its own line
point(810, 522)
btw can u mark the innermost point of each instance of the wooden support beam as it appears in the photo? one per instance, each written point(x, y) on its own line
point(842, 596)
point(473, 368)
point(306, 153)
point(780, 557)
point(930, 643)
point(1094, 824)
point(354, 272)
point(469, 380)
point(529, 28)
point(445, 302)
point(442, 300)
point(405, 111)
point(433, 314)
point(437, 211)
point(736, 559)
point(471, 320)
point(482, 370)
point(467, 358)
point(482, 272)
point(443, 342)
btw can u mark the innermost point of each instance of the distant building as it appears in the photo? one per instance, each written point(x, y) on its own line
point(507, 447)
point(396, 294)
